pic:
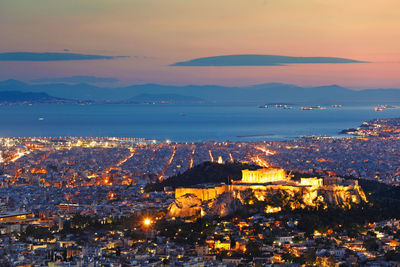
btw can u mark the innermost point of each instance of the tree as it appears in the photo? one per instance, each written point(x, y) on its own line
point(309, 257)
point(253, 249)
point(371, 244)
point(393, 255)
point(38, 232)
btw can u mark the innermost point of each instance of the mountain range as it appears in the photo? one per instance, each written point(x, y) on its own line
point(254, 94)
point(165, 98)
point(17, 97)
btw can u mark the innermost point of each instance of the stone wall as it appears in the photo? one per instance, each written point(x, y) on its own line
point(223, 199)
point(204, 194)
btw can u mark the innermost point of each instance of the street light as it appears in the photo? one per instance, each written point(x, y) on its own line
point(147, 222)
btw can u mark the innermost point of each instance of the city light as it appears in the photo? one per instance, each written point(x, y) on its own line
point(95, 181)
point(147, 222)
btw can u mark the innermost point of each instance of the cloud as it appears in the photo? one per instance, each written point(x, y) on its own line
point(33, 56)
point(77, 79)
point(262, 60)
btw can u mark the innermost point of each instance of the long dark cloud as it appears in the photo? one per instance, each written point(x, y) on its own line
point(77, 79)
point(262, 60)
point(33, 56)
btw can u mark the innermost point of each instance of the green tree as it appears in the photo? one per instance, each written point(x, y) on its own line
point(371, 244)
point(253, 249)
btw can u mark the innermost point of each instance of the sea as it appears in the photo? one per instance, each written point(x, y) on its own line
point(182, 123)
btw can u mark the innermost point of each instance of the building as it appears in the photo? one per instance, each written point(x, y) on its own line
point(15, 217)
point(311, 181)
point(264, 175)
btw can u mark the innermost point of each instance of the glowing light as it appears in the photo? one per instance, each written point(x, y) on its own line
point(39, 170)
point(131, 154)
point(111, 195)
point(161, 176)
point(191, 158)
point(19, 155)
point(147, 222)
point(231, 157)
point(211, 156)
point(260, 162)
point(265, 150)
point(270, 209)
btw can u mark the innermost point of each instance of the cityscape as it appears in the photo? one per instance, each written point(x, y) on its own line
point(87, 201)
point(245, 133)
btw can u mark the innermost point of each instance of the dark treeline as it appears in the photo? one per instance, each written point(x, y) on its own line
point(207, 172)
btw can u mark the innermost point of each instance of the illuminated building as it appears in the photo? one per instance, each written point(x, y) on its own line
point(311, 181)
point(15, 217)
point(271, 209)
point(225, 245)
point(262, 176)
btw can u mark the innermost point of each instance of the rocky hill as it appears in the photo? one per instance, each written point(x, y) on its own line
point(207, 172)
point(270, 198)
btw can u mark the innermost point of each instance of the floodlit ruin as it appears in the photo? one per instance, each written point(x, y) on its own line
point(263, 184)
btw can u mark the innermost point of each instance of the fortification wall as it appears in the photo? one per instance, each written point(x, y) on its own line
point(202, 193)
point(189, 201)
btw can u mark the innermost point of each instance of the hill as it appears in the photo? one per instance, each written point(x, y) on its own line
point(255, 94)
point(14, 97)
point(166, 99)
point(383, 200)
point(207, 172)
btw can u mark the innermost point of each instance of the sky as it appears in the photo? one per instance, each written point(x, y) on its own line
point(142, 39)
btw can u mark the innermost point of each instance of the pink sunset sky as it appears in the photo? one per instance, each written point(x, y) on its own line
point(156, 33)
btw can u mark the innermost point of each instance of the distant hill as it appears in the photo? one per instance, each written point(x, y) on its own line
point(256, 94)
point(166, 98)
point(29, 97)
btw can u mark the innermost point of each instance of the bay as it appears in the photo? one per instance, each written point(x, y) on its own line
point(182, 123)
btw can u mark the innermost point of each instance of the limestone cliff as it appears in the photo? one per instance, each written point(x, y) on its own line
point(228, 199)
point(342, 196)
point(303, 196)
point(190, 205)
point(224, 205)
point(185, 206)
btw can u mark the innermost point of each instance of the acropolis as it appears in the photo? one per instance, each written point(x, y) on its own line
point(262, 183)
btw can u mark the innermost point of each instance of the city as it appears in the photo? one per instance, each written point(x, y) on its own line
point(199, 133)
point(85, 201)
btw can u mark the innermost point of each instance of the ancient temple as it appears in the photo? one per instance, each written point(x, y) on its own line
point(262, 176)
